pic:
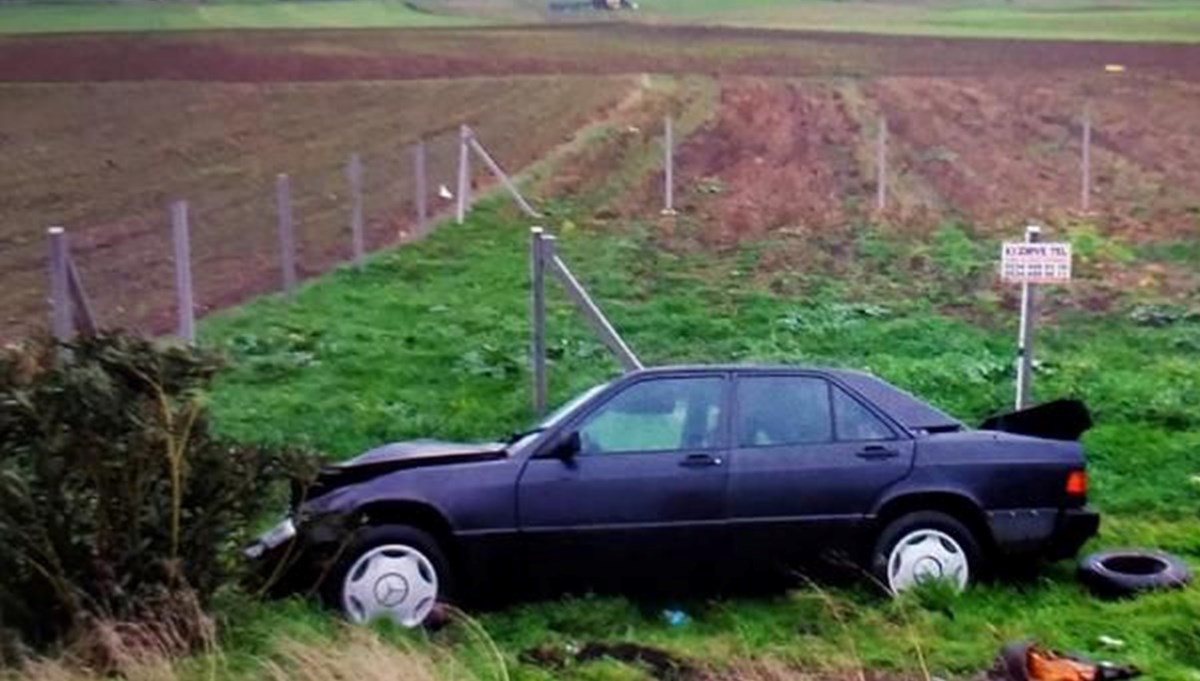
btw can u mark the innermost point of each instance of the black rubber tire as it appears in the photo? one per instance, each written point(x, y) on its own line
point(1125, 572)
point(933, 520)
point(372, 536)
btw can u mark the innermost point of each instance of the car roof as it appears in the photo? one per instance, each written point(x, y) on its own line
point(912, 412)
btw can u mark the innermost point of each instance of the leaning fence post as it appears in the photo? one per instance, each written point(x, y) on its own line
point(881, 166)
point(668, 166)
point(287, 235)
point(1085, 198)
point(537, 303)
point(1025, 332)
point(354, 174)
point(588, 307)
point(503, 177)
point(464, 173)
point(60, 301)
point(81, 306)
point(183, 271)
point(421, 190)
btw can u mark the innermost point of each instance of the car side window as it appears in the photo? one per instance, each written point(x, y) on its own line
point(665, 414)
point(783, 410)
point(855, 423)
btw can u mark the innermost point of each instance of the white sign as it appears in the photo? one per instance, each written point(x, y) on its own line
point(1023, 262)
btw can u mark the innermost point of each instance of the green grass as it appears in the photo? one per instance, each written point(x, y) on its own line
point(430, 340)
point(171, 16)
point(1144, 20)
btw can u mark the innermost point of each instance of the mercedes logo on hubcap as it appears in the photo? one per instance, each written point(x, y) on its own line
point(391, 590)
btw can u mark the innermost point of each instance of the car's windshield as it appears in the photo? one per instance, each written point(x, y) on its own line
point(551, 419)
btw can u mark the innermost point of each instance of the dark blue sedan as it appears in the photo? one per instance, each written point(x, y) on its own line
point(687, 469)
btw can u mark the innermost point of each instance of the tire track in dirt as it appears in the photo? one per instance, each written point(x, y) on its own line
point(993, 155)
point(779, 155)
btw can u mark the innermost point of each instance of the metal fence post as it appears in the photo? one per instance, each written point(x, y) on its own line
point(183, 271)
point(60, 296)
point(668, 166)
point(287, 235)
point(464, 173)
point(421, 189)
point(1085, 198)
point(537, 302)
point(1025, 332)
point(881, 166)
point(354, 174)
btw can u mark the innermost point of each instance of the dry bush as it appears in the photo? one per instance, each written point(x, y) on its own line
point(117, 502)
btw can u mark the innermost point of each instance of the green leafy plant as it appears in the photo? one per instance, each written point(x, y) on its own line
point(116, 503)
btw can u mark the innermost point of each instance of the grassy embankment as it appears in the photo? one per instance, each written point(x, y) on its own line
point(430, 341)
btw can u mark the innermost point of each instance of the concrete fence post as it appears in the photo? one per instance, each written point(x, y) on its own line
point(668, 166)
point(420, 187)
point(354, 174)
point(881, 166)
point(181, 240)
point(464, 173)
point(537, 304)
point(1085, 198)
point(287, 233)
point(60, 295)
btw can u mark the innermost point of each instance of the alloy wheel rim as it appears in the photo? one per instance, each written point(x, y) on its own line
point(394, 582)
point(927, 555)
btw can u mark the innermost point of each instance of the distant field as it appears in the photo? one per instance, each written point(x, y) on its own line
point(1064, 20)
point(1138, 20)
point(144, 16)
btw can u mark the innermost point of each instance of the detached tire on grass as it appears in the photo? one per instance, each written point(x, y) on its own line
point(1125, 572)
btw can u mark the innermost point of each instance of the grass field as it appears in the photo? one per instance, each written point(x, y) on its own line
point(430, 341)
point(148, 16)
point(1153, 20)
point(1144, 20)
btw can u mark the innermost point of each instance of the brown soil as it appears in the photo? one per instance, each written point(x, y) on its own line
point(105, 160)
point(986, 130)
point(579, 49)
point(776, 157)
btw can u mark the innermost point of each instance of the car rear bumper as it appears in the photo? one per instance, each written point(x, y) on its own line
point(1047, 532)
point(1075, 527)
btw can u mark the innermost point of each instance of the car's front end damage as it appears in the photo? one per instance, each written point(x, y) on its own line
point(296, 553)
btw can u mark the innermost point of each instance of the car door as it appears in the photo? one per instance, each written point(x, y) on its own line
point(646, 487)
point(808, 461)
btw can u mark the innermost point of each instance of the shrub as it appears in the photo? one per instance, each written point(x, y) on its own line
point(114, 495)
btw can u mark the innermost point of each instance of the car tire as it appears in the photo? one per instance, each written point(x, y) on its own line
point(1125, 572)
point(395, 572)
point(925, 545)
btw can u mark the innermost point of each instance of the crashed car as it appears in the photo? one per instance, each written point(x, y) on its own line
point(687, 470)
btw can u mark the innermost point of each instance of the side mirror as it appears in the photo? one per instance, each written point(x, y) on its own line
point(566, 448)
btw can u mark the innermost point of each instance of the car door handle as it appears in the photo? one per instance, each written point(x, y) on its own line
point(875, 452)
point(700, 461)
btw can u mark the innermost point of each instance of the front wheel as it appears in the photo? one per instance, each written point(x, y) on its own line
point(392, 572)
point(925, 546)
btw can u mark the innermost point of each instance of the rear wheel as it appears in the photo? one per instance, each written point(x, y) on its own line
point(392, 572)
point(925, 546)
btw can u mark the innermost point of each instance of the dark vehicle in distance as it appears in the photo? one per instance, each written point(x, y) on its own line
point(689, 468)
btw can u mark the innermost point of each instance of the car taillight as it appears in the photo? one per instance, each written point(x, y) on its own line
point(1077, 483)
